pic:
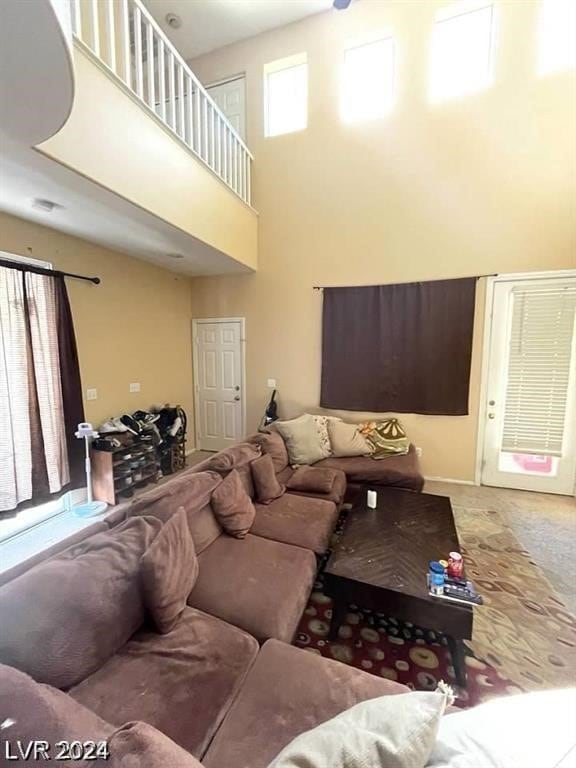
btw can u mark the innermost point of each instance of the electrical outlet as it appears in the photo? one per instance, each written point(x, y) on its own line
point(135, 387)
point(271, 383)
point(418, 451)
point(91, 394)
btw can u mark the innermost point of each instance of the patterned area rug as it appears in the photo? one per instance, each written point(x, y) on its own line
point(523, 638)
point(523, 630)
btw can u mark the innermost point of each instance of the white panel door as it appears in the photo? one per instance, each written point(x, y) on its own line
point(218, 370)
point(530, 407)
point(231, 99)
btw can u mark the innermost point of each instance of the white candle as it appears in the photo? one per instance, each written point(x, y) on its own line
point(372, 499)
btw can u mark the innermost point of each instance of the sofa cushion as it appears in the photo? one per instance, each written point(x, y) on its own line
point(64, 618)
point(169, 570)
point(139, 745)
point(336, 495)
point(181, 683)
point(288, 691)
point(347, 440)
point(299, 520)
point(232, 506)
point(257, 584)
point(315, 479)
point(192, 491)
point(395, 471)
point(31, 711)
point(272, 443)
point(266, 485)
point(302, 439)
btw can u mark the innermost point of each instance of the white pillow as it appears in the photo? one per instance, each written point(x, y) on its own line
point(532, 730)
point(391, 732)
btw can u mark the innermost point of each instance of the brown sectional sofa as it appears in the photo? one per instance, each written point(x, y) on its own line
point(224, 684)
point(355, 472)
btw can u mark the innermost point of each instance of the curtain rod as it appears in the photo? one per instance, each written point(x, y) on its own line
point(23, 267)
point(404, 282)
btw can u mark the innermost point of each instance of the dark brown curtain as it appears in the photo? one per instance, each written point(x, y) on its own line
point(402, 348)
point(71, 384)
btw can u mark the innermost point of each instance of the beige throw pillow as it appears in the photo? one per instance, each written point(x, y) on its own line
point(391, 731)
point(347, 440)
point(302, 440)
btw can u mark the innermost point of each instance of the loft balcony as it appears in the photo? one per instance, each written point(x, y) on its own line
point(143, 127)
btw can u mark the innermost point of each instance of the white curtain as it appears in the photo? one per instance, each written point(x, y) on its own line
point(33, 452)
point(15, 443)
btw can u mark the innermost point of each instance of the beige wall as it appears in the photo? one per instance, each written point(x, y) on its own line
point(479, 186)
point(114, 141)
point(134, 327)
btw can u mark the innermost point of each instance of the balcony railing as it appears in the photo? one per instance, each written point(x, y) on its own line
point(127, 40)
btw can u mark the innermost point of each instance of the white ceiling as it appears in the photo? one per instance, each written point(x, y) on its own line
point(211, 24)
point(98, 215)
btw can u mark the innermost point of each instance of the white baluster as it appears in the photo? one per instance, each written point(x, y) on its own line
point(95, 23)
point(218, 166)
point(204, 128)
point(77, 18)
point(229, 152)
point(248, 179)
point(213, 138)
point(244, 162)
point(171, 92)
point(151, 68)
point(125, 43)
point(197, 120)
point(111, 35)
point(138, 52)
point(162, 80)
point(181, 105)
point(189, 111)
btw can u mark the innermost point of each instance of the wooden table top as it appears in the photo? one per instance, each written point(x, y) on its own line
point(390, 547)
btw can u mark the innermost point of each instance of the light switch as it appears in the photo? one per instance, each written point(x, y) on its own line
point(135, 386)
point(272, 383)
point(91, 394)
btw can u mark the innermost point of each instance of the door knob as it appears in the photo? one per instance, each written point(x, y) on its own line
point(237, 388)
point(491, 402)
point(491, 415)
point(237, 397)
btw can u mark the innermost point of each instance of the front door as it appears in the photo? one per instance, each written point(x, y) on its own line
point(219, 385)
point(230, 97)
point(530, 407)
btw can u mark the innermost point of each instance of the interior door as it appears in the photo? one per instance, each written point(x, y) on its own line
point(530, 408)
point(218, 370)
point(231, 99)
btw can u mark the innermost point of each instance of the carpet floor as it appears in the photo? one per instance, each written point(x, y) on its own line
point(523, 637)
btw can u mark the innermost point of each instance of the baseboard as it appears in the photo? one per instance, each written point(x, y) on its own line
point(190, 451)
point(450, 480)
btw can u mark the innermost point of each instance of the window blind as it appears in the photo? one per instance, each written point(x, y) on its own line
point(539, 359)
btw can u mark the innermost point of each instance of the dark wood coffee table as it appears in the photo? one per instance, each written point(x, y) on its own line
point(381, 562)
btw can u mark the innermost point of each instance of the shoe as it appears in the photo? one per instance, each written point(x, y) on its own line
point(112, 425)
point(146, 418)
point(130, 424)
